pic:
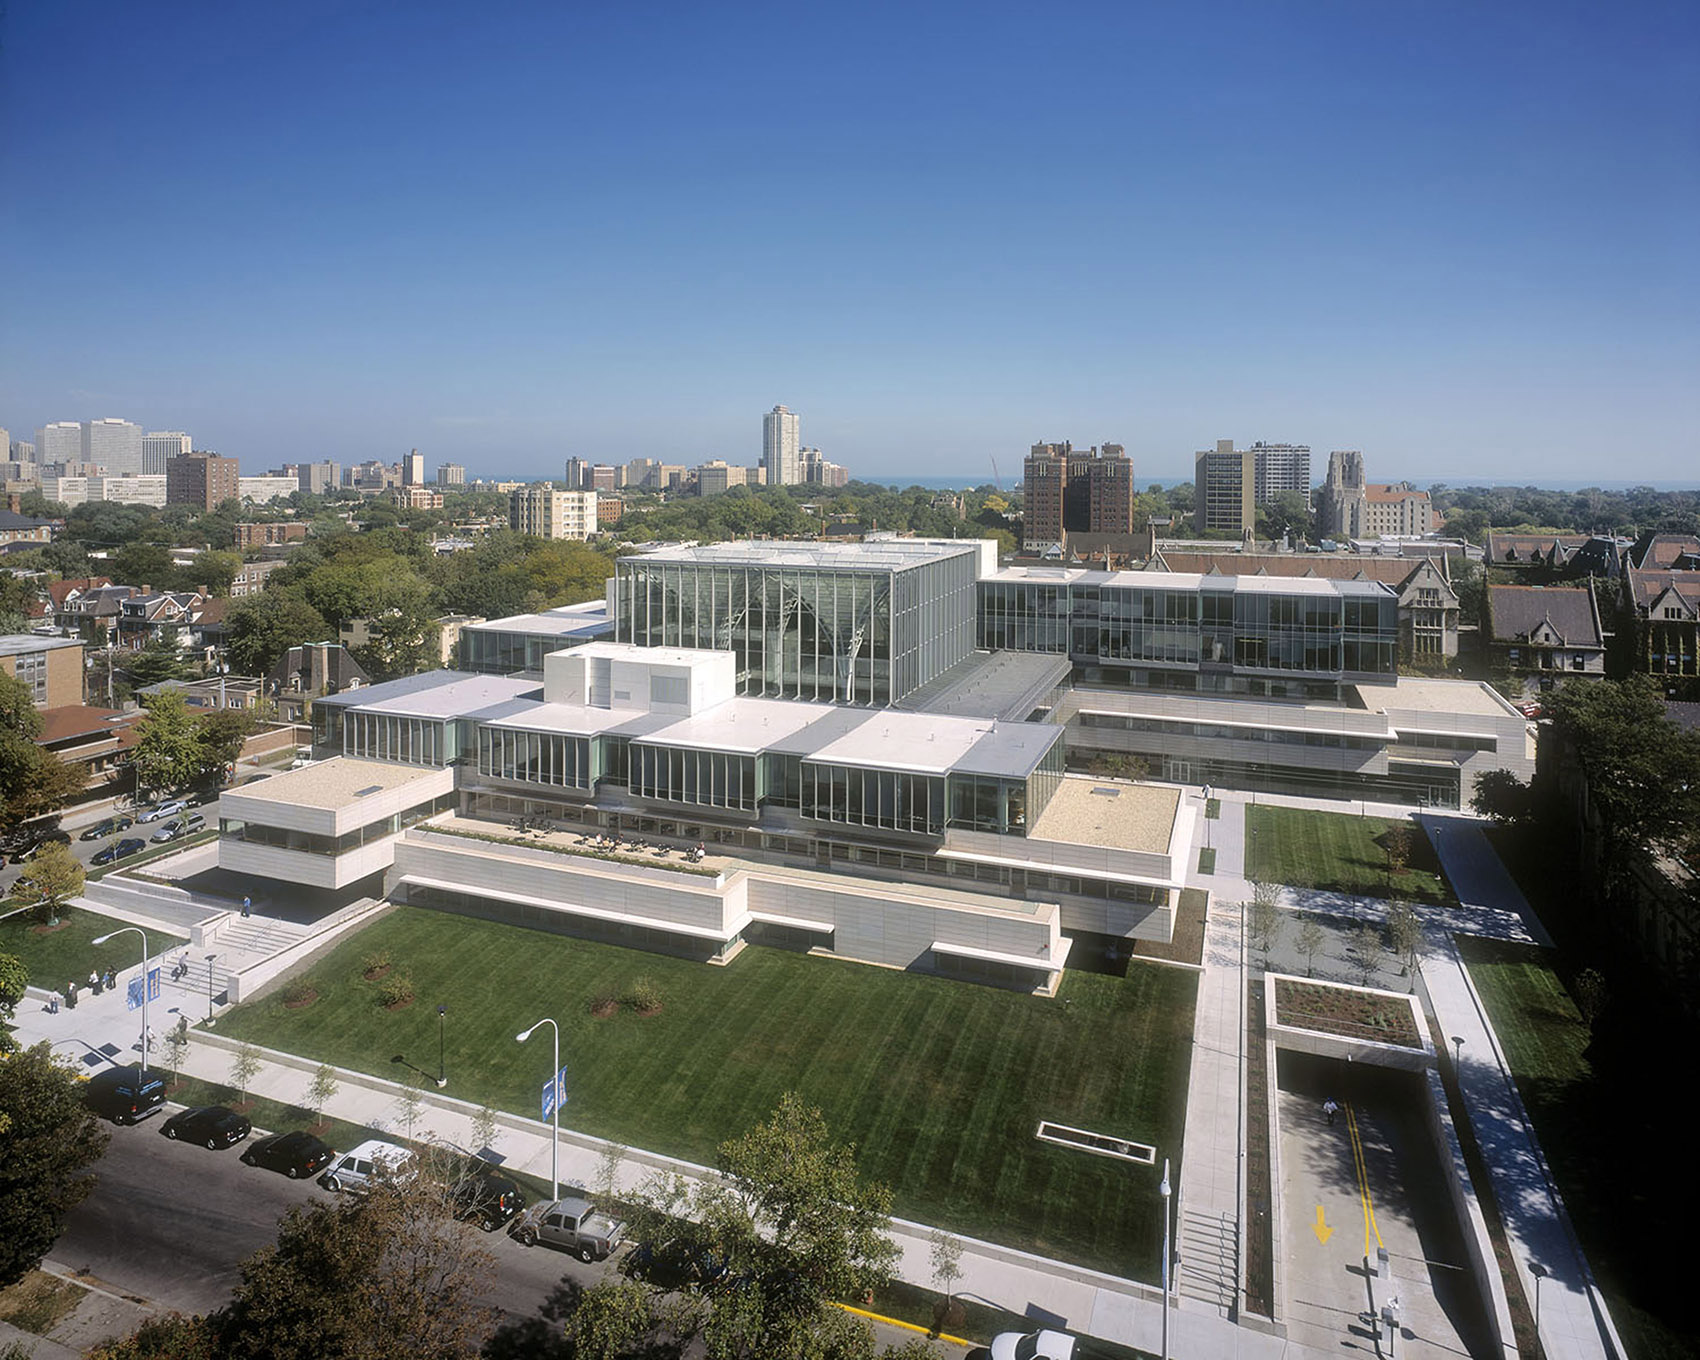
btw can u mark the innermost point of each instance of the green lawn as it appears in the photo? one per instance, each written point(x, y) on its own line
point(940, 1084)
point(1337, 852)
point(1621, 1157)
point(56, 956)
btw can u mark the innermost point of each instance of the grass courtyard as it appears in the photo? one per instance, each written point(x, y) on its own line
point(1336, 852)
point(940, 1084)
point(1617, 1149)
point(56, 956)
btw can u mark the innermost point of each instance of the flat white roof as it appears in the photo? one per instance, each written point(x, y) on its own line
point(589, 617)
point(920, 742)
point(649, 656)
point(578, 720)
point(1422, 695)
point(879, 555)
point(335, 783)
point(1189, 580)
point(456, 698)
point(746, 726)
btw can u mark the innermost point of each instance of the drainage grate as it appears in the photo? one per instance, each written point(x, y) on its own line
point(1099, 1144)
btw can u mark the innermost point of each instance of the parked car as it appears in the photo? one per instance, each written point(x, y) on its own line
point(110, 827)
point(125, 1095)
point(485, 1196)
point(371, 1162)
point(1044, 1345)
point(215, 1125)
point(294, 1154)
point(571, 1225)
point(180, 827)
point(123, 850)
point(33, 845)
point(172, 808)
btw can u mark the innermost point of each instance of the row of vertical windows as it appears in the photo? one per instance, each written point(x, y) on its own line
point(888, 799)
point(707, 778)
point(535, 757)
point(384, 736)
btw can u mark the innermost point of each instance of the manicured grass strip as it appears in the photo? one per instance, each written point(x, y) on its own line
point(1617, 1150)
point(978, 1322)
point(1212, 808)
point(141, 857)
point(1338, 853)
point(54, 957)
point(939, 1084)
point(1206, 861)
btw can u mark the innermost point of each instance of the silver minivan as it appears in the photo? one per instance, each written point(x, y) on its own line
point(373, 1161)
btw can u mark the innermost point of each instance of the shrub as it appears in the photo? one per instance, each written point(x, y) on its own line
point(643, 995)
point(396, 990)
point(298, 990)
point(375, 962)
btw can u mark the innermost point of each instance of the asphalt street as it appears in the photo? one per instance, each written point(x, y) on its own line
point(76, 823)
point(171, 1222)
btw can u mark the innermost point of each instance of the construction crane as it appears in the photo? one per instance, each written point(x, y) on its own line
point(996, 480)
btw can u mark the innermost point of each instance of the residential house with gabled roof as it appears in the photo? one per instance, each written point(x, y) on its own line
point(309, 672)
point(147, 615)
point(1552, 631)
point(1665, 552)
point(1666, 606)
point(92, 610)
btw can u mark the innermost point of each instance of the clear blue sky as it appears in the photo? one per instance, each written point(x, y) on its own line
point(1459, 236)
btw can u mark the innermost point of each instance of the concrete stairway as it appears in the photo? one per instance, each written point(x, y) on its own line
point(1209, 1250)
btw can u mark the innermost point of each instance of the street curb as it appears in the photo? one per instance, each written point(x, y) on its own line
point(898, 1322)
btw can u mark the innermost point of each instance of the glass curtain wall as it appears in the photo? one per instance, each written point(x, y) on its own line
point(405, 741)
point(707, 778)
point(549, 758)
point(891, 800)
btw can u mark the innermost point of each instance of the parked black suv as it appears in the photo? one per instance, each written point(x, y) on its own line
point(486, 1197)
point(125, 1095)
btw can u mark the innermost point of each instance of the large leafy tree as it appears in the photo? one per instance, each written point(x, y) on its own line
point(1643, 770)
point(262, 628)
point(388, 1277)
point(160, 660)
point(52, 877)
point(14, 977)
point(790, 1226)
point(32, 781)
point(168, 751)
point(50, 1140)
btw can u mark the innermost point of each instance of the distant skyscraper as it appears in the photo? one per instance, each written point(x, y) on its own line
point(115, 444)
point(160, 445)
point(780, 440)
point(578, 474)
point(549, 513)
point(23, 451)
point(1086, 491)
point(1280, 467)
point(451, 474)
point(201, 479)
point(318, 479)
point(60, 442)
point(413, 469)
point(1226, 485)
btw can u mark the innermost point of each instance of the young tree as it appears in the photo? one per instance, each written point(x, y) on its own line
point(608, 1175)
point(49, 880)
point(485, 1129)
point(1368, 951)
point(1312, 939)
point(50, 1139)
point(1406, 933)
point(1265, 916)
point(947, 1270)
point(407, 1103)
point(177, 1046)
point(322, 1090)
point(244, 1067)
point(1397, 841)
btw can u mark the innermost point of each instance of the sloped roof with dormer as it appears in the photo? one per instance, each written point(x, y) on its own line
point(1567, 613)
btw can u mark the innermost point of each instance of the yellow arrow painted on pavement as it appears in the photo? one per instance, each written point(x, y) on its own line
point(1322, 1230)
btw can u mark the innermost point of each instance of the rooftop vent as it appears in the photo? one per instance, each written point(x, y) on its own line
point(1103, 792)
point(370, 788)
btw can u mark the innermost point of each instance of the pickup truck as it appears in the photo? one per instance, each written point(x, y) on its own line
point(570, 1225)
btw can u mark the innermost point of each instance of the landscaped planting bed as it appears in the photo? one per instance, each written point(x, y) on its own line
point(1346, 1011)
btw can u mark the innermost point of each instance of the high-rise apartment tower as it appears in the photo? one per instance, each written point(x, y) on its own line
point(1084, 491)
point(780, 441)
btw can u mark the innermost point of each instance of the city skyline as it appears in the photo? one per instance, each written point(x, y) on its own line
point(1422, 234)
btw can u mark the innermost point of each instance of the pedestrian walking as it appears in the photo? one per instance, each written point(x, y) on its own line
point(246, 904)
point(110, 980)
point(71, 995)
point(94, 982)
point(1330, 1109)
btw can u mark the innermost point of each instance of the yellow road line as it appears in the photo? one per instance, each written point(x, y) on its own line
point(1370, 1226)
point(899, 1322)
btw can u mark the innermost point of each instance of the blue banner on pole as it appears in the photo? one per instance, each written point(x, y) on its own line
point(133, 994)
point(153, 985)
point(554, 1092)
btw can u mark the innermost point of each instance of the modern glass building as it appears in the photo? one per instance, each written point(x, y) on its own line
point(860, 623)
point(1274, 637)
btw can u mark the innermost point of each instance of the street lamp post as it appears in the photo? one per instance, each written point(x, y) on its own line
point(554, 1075)
point(210, 958)
point(1540, 1273)
point(1458, 1055)
point(1165, 1191)
point(442, 1074)
point(122, 930)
